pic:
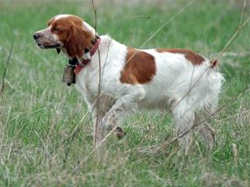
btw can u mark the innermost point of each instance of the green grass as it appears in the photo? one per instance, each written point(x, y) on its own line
point(39, 114)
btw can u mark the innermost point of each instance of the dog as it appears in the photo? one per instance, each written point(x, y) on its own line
point(117, 80)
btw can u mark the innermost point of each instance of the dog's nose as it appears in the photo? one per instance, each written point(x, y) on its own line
point(36, 36)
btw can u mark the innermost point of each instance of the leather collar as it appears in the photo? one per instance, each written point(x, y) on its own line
point(84, 62)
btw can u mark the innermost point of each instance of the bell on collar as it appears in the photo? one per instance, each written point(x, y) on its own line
point(69, 74)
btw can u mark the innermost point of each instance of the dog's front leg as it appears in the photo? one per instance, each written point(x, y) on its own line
point(97, 128)
point(97, 113)
point(123, 106)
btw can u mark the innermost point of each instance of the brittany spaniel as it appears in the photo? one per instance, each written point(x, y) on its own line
point(117, 80)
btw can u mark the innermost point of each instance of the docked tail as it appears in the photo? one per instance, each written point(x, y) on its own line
point(214, 63)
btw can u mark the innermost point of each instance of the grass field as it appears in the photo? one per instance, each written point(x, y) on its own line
point(45, 126)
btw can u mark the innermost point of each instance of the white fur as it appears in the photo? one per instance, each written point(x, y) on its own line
point(60, 16)
point(186, 89)
point(89, 28)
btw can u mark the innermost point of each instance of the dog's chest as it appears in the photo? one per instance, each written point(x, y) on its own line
point(87, 82)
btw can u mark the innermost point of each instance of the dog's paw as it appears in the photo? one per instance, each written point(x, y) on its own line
point(119, 132)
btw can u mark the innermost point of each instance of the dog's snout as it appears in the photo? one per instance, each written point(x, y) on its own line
point(36, 36)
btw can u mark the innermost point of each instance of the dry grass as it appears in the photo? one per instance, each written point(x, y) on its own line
point(45, 127)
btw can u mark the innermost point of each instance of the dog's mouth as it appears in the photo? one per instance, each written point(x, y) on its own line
point(49, 46)
point(55, 46)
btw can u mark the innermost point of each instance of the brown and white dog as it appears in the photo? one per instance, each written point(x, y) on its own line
point(117, 80)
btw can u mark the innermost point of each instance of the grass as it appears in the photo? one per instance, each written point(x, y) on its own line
point(39, 114)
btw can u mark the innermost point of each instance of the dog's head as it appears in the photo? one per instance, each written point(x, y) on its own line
point(68, 33)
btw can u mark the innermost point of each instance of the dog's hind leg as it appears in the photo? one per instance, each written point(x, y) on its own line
point(202, 122)
point(184, 117)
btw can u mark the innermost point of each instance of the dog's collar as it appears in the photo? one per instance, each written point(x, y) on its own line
point(96, 43)
point(81, 63)
point(75, 65)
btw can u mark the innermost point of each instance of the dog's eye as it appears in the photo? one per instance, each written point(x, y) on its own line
point(55, 29)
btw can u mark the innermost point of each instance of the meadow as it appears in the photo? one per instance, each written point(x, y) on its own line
point(45, 125)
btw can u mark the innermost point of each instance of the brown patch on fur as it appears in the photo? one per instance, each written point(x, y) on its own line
point(139, 68)
point(192, 56)
point(72, 34)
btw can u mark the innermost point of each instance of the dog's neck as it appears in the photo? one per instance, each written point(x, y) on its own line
point(88, 53)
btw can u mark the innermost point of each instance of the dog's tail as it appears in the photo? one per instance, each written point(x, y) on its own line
point(214, 63)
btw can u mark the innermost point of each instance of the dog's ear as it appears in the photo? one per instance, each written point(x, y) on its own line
point(58, 50)
point(79, 39)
